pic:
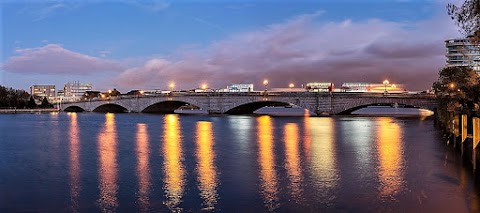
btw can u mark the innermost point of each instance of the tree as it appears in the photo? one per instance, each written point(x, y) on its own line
point(461, 82)
point(45, 103)
point(31, 103)
point(467, 17)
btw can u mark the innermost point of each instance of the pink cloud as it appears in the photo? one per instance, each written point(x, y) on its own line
point(54, 59)
point(304, 49)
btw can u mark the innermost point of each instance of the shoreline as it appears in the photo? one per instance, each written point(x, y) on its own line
point(27, 111)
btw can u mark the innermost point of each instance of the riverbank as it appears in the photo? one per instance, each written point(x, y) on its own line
point(462, 131)
point(28, 111)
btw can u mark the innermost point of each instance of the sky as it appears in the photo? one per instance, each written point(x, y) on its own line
point(149, 44)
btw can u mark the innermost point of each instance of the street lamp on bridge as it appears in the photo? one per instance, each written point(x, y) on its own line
point(265, 83)
point(386, 82)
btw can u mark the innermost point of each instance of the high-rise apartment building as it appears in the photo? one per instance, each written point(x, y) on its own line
point(76, 88)
point(462, 52)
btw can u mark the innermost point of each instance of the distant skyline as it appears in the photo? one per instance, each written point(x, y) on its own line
point(130, 45)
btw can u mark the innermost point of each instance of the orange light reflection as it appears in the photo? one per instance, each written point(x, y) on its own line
point(74, 162)
point(268, 177)
point(143, 171)
point(390, 156)
point(107, 151)
point(207, 175)
point(292, 163)
point(323, 165)
point(173, 169)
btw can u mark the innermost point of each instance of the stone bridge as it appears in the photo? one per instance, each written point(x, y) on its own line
point(246, 103)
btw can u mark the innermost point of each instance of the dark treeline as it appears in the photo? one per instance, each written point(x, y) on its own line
point(19, 99)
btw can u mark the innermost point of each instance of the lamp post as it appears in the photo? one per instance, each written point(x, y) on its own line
point(291, 85)
point(265, 83)
point(204, 87)
point(386, 82)
point(451, 87)
point(172, 85)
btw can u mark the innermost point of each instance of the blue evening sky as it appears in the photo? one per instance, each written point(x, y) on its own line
point(131, 33)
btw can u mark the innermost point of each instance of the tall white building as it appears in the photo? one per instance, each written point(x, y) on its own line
point(462, 53)
point(75, 90)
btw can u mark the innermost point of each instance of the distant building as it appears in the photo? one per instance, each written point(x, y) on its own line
point(41, 91)
point(462, 53)
point(239, 88)
point(75, 91)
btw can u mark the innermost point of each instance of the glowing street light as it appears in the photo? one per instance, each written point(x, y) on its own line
point(172, 85)
point(386, 82)
point(204, 86)
point(142, 92)
point(451, 86)
point(265, 83)
point(291, 85)
point(109, 91)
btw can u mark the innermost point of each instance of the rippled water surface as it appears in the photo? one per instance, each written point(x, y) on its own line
point(92, 162)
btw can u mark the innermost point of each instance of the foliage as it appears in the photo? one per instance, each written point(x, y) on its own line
point(13, 98)
point(31, 103)
point(45, 103)
point(467, 17)
point(461, 83)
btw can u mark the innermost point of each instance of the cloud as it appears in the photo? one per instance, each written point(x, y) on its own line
point(305, 49)
point(43, 10)
point(54, 59)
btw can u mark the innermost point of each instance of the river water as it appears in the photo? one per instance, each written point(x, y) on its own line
point(89, 162)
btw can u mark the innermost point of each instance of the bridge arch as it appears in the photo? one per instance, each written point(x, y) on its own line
point(355, 108)
point(74, 109)
point(165, 107)
point(115, 108)
point(249, 108)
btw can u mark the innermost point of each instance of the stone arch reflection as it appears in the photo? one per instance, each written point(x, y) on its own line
point(174, 171)
point(207, 174)
point(107, 171)
point(143, 167)
point(390, 151)
point(266, 159)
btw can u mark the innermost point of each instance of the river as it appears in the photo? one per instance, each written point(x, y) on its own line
point(90, 162)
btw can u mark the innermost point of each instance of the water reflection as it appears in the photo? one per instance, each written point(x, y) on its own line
point(207, 175)
point(268, 176)
point(107, 151)
point(174, 171)
point(143, 171)
point(323, 165)
point(74, 162)
point(390, 150)
point(360, 133)
point(293, 160)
